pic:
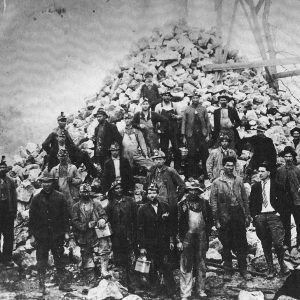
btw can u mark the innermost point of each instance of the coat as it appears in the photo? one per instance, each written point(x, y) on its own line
point(110, 135)
point(151, 94)
point(256, 199)
point(220, 198)
point(48, 216)
point(109, 175)
point(153, 228)
point(234, 118)
point(12, 195)
point(80, 220)
point(292, 196)
point(155, 118)
point(187, 124)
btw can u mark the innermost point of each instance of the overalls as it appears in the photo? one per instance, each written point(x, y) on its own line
point(150, 136)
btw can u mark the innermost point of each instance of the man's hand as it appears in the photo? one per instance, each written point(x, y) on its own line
point(217, 225)
point(248, 221)
point(101, 223)
point(179, 246)
point(92, 224)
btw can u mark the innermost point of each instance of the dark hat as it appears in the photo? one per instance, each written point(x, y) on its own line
point(153, 187)
point(167, 95)
point(226, 96)
point(261, 128)
point(225, 137)
point(115, 183)
point(128, 116)
point(85, 188)
point(193, 185)
point(144, 99)
point(114, 146)
point(148, 74)
point(158, 154)
point(288, 149)
point(101, 111)
point(62, 117)
point(62, 153)
point(46, 177)
point(294, 130)
point(3, 165)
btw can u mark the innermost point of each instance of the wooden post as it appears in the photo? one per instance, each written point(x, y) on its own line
point(219, 24)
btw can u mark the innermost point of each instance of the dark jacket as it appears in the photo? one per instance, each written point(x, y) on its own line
point(155, 118)
point(256, 199)
point(80, 220)
point(110, 135)
point(263, 150)
point(109, 175)
point(183, 219)
point(153, 228)
point(12, 195)
point(151, 94)
point(234, 118)
point(48, 216)
point(288, 185)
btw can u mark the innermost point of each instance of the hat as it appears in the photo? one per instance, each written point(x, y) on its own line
point(226, 96)
point(261, 128)
point(46, 177)
point(114, 146)
point(193, 185)
point(101, 111)
point(115, 183)
point(158, 154)
point(225, 137)
point(62, 153)
point(167, 95)
point(152, 187)
point(288, 149)
point(62, 117)
point(3, 165)
point(85, 188)
point(128, 115)
point(294, 130)
point(148, 74)
point(144, 99)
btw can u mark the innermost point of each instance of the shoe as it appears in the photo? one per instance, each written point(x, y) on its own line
point(246, 276)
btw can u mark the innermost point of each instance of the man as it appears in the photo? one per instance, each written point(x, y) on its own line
point(263, 150)
point(230, 209)
point(86, 216)
point(295, 133)
point(122, 215)
point(105, 135)
point(150, 91)
point(116, 167)
point(196, 131)
point(61, 139)
point(214, 162)
point(226, 120)
point(194, 226)
point(154, 238)
point(171, 187)
point(67, 177)
point(8, 211)
point(48, 228)
point(146, 121)
point(265, 209)
point(169, 130)
point(288, 183)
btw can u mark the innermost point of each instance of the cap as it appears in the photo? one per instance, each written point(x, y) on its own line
point(115, 183)
point(193, 185)
point(114, 146)
point(167, 95)
point(62, 117)
point(295, 129)
point(152, 187)
point(158, 154)
point(85, 188)
point(62, 153)
point(290, 150)
point(3, 165)
point(225, 138)
point(46, 177)
point(101, 111)
point(226, 96)
point(128, 115)
point(148, 74)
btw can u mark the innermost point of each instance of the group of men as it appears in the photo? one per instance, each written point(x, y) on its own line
point(173, 217)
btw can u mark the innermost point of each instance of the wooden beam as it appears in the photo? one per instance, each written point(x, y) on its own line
point(287, 74)
point(253, 64)
point(258, 6)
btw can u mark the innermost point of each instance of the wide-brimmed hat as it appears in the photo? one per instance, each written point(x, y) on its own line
point(62, 117)
point(158, 154)
point(288, 150)
point(46, 177)
point(294, 130)
point(114, 147)
point(3, 165)
point(101, 111)
point(193, 185)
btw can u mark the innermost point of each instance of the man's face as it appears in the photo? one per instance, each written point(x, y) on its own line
point(85, 195)
point(118, 190)
point(195, 101)
point(62, 124)
point(152, 195)
point(296, 135)
point(223, 102)
point(288, 158)
point(63, 159)
point(145, 106)
point(263, 173)
point(228, 168)
point(224, 144)
point(101, 118)
point(128, 121)
point(160, 161)
point(115, 153)
point(166, 99)
point(260, 132)
point(47, 186)
point(149, 80)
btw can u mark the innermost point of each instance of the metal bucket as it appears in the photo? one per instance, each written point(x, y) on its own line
point(142, 265)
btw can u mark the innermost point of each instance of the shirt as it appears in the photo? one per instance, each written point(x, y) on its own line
point(225, 122)
point(3, 190)
point(100, 138)
point(116, 162)
point(155, 207)
point(267, 187)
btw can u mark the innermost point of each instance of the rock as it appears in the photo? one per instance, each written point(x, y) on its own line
point(25, 191)
point(132, 297)
point(168, 55)
point(256, 295)
point(284, 110)
point(169, 83)
point(188, 89)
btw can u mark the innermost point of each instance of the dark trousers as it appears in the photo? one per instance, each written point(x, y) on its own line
point(42, 252)
point(232, 235)
point(164, 145)
point(197, 151)
point(286, 221)
point(269, 230)
point(7, 231)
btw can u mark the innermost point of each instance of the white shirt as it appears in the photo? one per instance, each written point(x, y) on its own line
point(155, 207)
point(117, 166)
point(269, 207)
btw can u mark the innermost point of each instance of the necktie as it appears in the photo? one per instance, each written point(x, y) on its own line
point(265, 200)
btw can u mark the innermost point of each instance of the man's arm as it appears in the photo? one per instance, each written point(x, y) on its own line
point(214, 200)
point(178, 182)
point(183, 122)
point(46, 145)
point(136, 120)
point(76, 180)
point(140, 228)
point(245, 199)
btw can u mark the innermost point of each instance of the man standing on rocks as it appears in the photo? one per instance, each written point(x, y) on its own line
point(288, 183)
point(295, 133)
point(196, 131)
point(105, 135)
point(48, 228)
point(169, 130)
point(8, 211)
point(265, 209)
point(150, 91)
point(230, 209)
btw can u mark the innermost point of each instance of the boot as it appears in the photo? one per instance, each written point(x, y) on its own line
point(104, 264)
point(283, 268)
point(42, 279)
point(63, 286)
point(271, 270)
